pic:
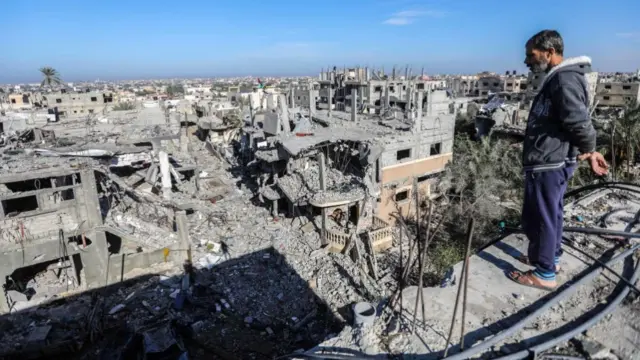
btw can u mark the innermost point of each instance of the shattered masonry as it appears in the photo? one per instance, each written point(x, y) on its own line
point(94, 199)
point(346, 171)
point(355, 162)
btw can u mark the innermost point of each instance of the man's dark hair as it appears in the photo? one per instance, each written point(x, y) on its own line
point(547, 39)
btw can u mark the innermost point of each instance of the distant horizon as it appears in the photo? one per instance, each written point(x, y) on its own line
point(148, 78)
point(162, 39)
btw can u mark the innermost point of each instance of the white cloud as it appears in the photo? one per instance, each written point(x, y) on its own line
point(628, 35)
point(407, 17)
point(409, 13)
point(398, 21)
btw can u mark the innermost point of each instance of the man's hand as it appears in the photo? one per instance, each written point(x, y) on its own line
point(598, 164)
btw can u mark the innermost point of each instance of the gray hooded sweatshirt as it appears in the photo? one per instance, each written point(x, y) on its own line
point(559, 126)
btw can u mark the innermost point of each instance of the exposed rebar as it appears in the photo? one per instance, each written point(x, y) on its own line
point(467, 262)
point(455, 306)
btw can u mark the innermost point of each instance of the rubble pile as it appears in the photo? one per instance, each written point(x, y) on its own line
point(157, 233)
point(253, 284)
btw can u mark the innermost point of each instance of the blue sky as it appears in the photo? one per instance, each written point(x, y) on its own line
point(116, 39)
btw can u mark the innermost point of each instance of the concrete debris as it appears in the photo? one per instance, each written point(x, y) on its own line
point(184, 227)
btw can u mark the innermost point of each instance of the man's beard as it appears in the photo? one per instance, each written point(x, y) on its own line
point(539, 67)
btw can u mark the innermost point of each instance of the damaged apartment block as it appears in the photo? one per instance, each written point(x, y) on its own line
point(86, 215)
point(367, 146)
point(50, 219)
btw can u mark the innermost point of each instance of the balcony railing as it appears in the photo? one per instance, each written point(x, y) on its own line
point(381, 237)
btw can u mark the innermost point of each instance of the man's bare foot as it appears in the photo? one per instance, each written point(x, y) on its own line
point(529, 279)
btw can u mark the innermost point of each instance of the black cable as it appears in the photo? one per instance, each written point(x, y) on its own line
point(597, 231)
point(561, 357)
point(577, 329)
point(326, 356)
point(608, 185)
point(568, 243)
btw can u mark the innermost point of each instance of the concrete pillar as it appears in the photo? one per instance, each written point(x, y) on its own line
point(293, 98)
point(366, 74)
point(323, 186)
point(323, 230)
point(182, 225)
point(393, 73)
point(96, 258)
point(330, 99)
point(284, 113)
point(274, 208)
point(322, 166)
point(418, 121)
point(387, 98)
point(354, 104)
point(165, 173)
point(251, 115)
point(312, 103)
point(184, 135)
point(90, 192)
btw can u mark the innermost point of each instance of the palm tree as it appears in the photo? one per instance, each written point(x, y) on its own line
point(50, 76)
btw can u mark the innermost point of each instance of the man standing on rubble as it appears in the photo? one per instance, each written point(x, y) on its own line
point(559, 131)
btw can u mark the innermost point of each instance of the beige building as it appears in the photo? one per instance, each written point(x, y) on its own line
point(20, 101)
point(617, 93)
point(78, 104)
point(514, 83)
point(489, 83)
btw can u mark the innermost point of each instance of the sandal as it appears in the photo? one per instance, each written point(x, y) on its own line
point(529, 279)
point(525, 260)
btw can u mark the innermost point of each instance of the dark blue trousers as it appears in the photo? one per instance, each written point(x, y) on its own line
point(542, 216)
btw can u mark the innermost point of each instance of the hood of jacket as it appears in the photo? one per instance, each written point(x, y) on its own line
point(580, 64)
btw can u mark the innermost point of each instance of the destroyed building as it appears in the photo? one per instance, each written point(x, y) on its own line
point(56, 197)
point(489, 83)
point(375, 90)
point(350, 171)
point(179, 215)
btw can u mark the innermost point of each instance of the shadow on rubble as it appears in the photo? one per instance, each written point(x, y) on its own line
point(247, 176)
point(252, 307)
